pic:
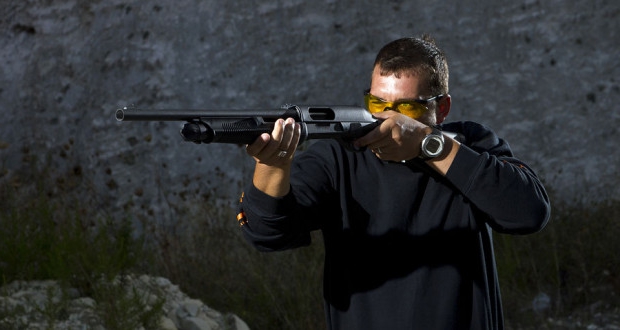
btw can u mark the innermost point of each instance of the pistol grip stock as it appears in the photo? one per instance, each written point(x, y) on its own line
point(357, 130)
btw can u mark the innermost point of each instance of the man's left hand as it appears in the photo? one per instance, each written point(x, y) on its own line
point(398, 137)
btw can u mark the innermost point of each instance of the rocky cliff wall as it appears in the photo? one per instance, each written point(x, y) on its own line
point(543, 74)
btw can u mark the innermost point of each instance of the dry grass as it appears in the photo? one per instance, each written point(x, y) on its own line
point(573, 260)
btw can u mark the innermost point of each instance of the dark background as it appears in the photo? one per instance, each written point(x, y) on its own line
point(542, 74)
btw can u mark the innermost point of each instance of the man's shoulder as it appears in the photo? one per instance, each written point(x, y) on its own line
point(477, 136)
point(466, 127)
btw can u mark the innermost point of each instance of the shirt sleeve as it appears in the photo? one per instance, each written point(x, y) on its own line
point(273, 224)
point(499, 185)
point(267, 224)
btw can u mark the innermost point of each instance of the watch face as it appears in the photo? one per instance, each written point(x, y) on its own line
point(433, 146)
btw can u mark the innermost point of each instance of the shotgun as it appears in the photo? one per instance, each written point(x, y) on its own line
point(244, 126)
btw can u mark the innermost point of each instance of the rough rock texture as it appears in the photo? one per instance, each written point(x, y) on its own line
point(543, 74)
point(40, 305)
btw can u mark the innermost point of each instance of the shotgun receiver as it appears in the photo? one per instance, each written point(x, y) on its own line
point(343, 123)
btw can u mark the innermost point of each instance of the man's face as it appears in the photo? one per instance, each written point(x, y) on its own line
point(407, 87)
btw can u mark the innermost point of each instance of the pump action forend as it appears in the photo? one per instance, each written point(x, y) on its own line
point(243, 126)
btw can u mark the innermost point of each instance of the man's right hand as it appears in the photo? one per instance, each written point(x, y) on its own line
point(274, 155)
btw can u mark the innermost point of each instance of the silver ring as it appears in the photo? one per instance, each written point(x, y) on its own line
point(282, 153)
point(379, 150)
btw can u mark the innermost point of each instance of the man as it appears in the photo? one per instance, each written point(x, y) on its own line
point(407, 222)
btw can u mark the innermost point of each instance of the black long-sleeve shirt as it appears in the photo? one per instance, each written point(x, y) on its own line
point(405, 248)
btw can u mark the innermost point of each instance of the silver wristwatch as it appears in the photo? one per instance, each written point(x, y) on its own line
point(432, 144)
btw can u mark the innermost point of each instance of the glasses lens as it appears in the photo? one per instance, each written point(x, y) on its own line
point(410, 109)
point(374, 104)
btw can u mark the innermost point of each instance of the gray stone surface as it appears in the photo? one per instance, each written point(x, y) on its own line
point(43, 305)
point(543, 74)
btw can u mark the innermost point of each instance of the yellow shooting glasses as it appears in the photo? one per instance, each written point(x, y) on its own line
point(413, 108)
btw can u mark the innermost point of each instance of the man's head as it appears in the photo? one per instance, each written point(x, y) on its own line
point(413, 69)
point(416, 56)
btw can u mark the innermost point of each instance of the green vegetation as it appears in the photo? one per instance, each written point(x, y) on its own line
point(211, 261)
point(573, 261)
point(45, 240)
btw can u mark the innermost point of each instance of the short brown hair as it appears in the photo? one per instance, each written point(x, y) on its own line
point(416, 56)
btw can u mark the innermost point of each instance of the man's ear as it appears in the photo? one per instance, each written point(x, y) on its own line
point(443, 108)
